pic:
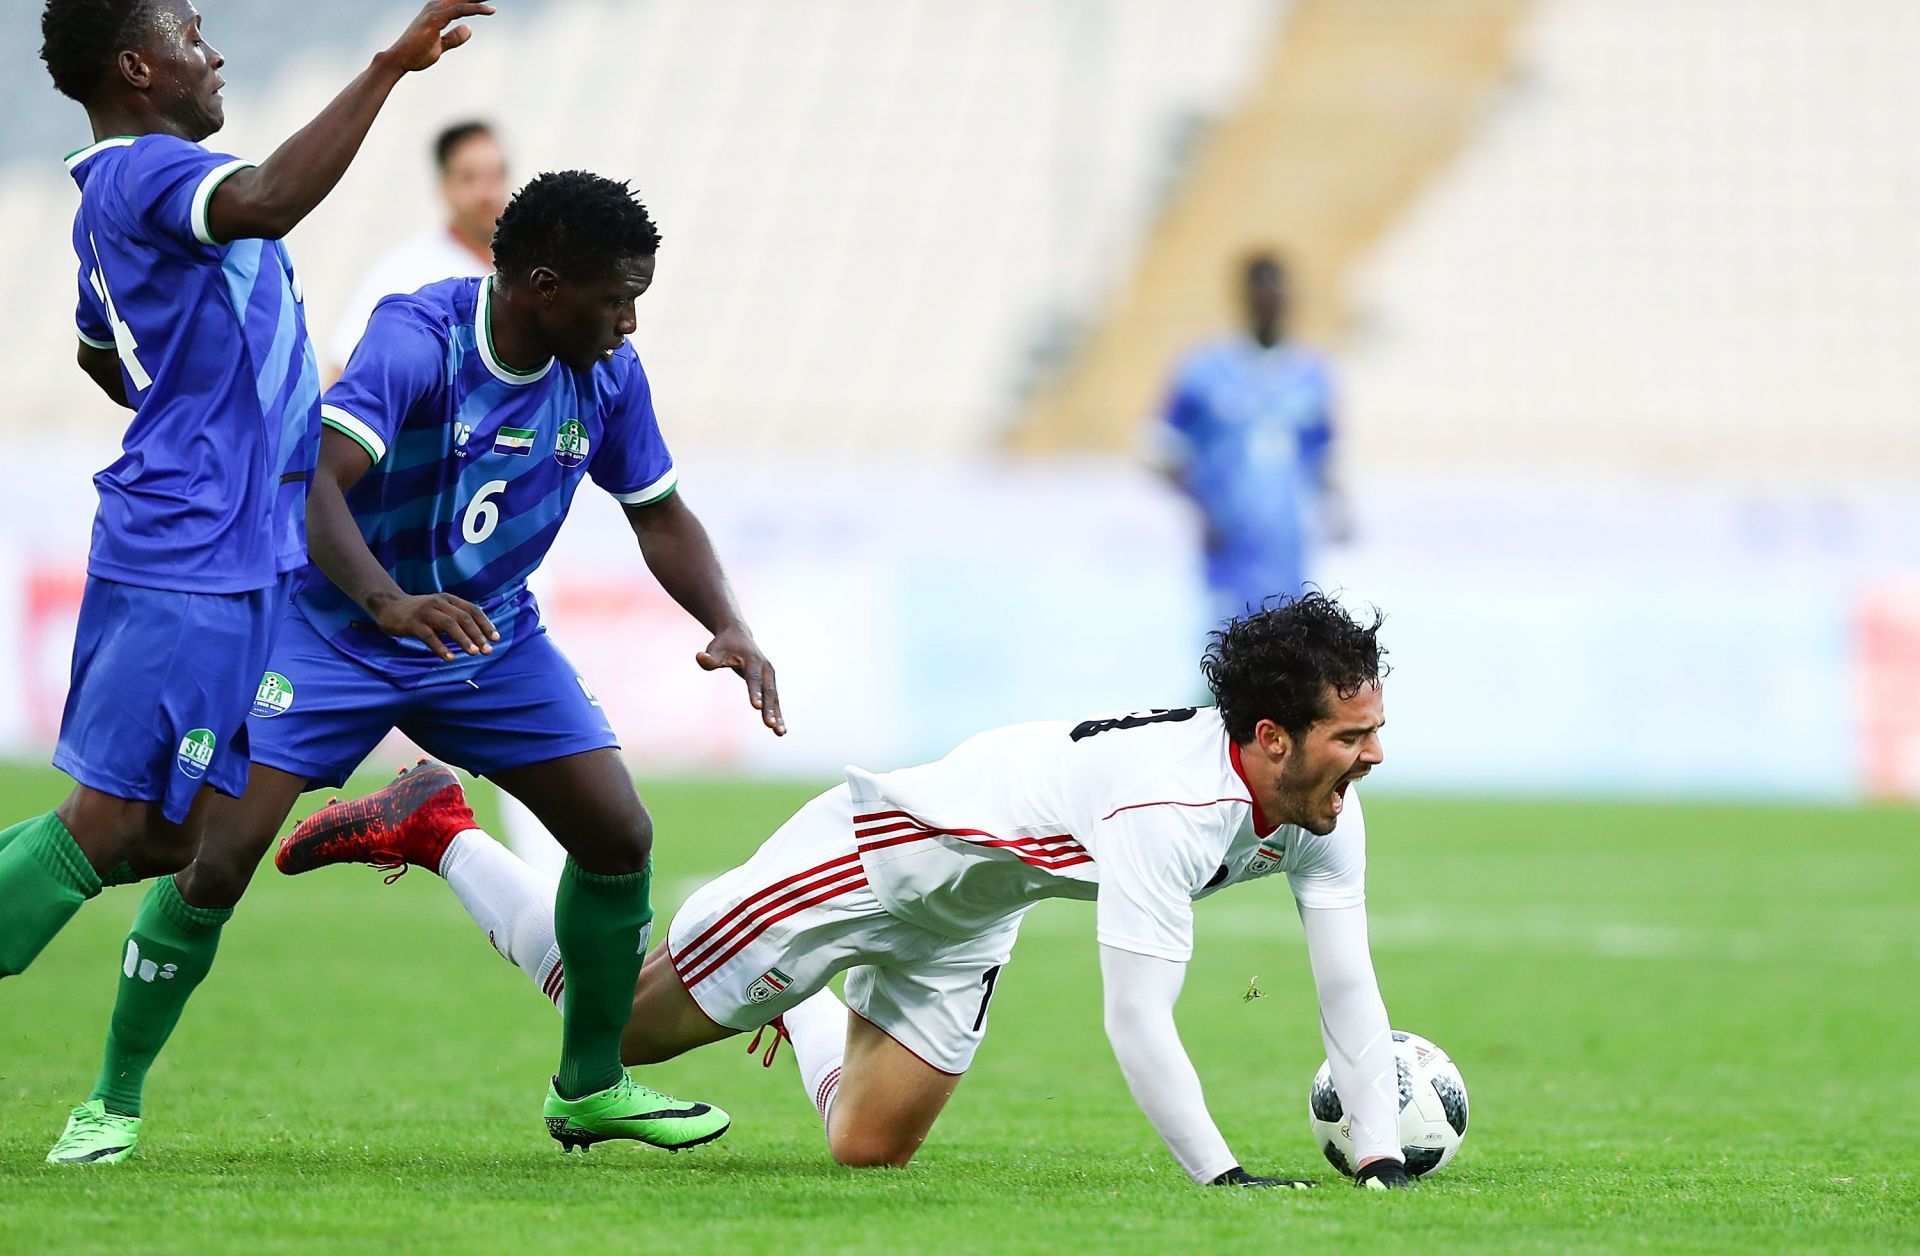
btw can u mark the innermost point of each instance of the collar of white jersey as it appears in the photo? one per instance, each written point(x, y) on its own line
point(1260, 826)
point(483, 336)
point(94, 149)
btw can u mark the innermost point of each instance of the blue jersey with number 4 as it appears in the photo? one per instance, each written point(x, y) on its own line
point(474, 466)
point(210, 492)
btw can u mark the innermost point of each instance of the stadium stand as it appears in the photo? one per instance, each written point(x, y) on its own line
point(804, 301)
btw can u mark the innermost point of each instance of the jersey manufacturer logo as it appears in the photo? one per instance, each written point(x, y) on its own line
point(768, 985)
point(273, 697)
point(517, 441)
point(195, 755)
point(570, 450)
point(1267, 858)
point(462, 433)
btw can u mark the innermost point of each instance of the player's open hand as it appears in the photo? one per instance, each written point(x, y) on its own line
point(429, 35)
point(733, 649)
point(437, 619)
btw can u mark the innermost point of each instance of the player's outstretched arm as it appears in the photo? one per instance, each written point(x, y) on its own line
point(1140, 991)
point(336, 546)
point(269, 200)
point(1359, 1041)
point(680, 556)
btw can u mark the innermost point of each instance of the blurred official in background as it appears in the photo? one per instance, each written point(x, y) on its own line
point(473, 187)
point(1247, 433)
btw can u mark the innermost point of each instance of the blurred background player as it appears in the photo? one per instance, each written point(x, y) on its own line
point(455, 443)
point(191, 316)
point(1247, 433)
point(473, 185)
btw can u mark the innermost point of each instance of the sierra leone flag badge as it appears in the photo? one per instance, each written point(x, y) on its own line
point(514, 440)
point(570, 448)
point(273, 697)
point(768, 985)
point(195, 755)
point(1268, 857)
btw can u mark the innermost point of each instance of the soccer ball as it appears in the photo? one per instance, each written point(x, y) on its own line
point(1433, 1108)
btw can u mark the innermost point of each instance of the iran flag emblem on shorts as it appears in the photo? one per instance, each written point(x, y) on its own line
point(768, 985)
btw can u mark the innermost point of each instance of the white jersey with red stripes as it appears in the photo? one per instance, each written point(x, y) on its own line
point(1142, 813)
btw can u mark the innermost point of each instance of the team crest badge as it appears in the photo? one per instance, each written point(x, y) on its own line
point(195, 755)
point(1267, 858)
point(768, 985)
point(273, 697)
point(570, 450)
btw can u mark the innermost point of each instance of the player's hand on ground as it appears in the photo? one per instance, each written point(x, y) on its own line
point(1237, 1176)
point(1382, 1175)
point(428, 36)
point(734, 649)
point(437, 618)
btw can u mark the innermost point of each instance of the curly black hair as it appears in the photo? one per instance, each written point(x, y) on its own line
point(1277, 663)
point(81, 38)
point(578, 224)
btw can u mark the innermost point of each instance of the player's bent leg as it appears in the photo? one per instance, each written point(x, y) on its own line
point(665, 1021)
point(888, 1099)
point(167, 954)
point(602, 919)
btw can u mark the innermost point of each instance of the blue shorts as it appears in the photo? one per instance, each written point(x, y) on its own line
point(161, 682)
point(319, 712)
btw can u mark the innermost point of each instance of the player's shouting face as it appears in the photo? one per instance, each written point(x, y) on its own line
point(1334, 752)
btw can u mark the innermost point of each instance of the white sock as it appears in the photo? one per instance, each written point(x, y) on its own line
point(818, 1028)
point(512, 904)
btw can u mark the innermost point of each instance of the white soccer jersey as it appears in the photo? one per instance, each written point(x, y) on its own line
point(1143, 813)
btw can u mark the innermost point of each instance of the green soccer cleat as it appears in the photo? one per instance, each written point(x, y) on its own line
point(96, 1136)
point(627, 1109)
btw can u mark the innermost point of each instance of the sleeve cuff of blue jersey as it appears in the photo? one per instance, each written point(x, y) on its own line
point(203, 198)
point(91, 343)
point(656, 491)
point(355, 430)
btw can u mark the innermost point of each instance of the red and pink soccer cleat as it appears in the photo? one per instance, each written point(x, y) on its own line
point(407, 824)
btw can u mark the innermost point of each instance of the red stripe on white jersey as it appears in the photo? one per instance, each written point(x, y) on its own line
point(746, 903)
point(748, 929)
point(1048, 852)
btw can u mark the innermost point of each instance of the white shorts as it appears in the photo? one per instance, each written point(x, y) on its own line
point(758, 940)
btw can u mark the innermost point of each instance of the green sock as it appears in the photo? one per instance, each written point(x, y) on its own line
point(44, 878)
point(601, 924)
point(169, 952)
point(121, 873)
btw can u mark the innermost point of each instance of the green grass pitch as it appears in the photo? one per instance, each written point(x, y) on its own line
point(1683, 1028)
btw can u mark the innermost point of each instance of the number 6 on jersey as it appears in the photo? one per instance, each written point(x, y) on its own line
point(483, 514)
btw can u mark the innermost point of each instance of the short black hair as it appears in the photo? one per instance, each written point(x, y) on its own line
point(453, 137)
point(81, 38)
point(577, 223)
point(1277, 663)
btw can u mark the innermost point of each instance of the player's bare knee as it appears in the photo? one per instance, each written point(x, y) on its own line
point(625, 846)
point(869, 1148)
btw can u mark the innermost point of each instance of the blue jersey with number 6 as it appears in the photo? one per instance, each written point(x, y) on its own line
point(474, 466)
point(210, 492)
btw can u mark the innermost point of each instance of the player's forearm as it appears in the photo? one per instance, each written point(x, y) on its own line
point(680, 555)
point(1354, 1028)
point(1140, 992)
point(271, 199)
point(103, 368)
point(339, 550)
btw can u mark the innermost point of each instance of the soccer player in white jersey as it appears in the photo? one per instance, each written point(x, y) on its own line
point(914, 883)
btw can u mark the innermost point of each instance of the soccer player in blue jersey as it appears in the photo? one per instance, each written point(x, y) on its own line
point(468, 416)
point(190, 316)
point(1247, 434)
